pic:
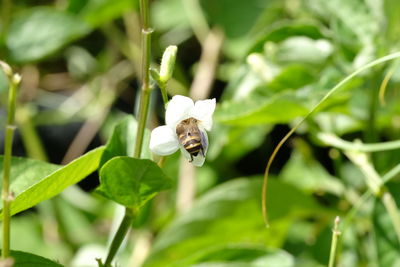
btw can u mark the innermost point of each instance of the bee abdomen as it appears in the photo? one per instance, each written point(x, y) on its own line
point(192, 145)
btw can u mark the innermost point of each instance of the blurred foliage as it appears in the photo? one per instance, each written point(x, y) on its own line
point(80, 64)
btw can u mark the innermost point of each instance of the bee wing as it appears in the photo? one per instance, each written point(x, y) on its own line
point(200, 158)
point(204, 141)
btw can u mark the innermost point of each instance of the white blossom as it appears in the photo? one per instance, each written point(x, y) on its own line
point(164, 140)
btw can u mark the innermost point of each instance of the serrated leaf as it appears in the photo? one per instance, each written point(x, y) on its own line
point(39, 32)
point(132, 182)
point(35, 181)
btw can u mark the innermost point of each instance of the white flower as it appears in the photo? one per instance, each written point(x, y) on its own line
point(164, 139)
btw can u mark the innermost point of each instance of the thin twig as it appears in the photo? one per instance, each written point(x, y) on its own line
point(335, 236)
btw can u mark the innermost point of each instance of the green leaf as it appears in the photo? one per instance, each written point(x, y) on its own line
point(392, 11)
point(230, 214)
point(285, 30)
point(387, 244)
point(132, 182)
point(256, 110)
point(302, 49)
point(122, 141)
point(161, 15)
point(26, 172)
point(39, 32)
point(292, 77)
point(304, 172)
point(98, 12)
point(34, 181)
point(24, 259)
point(242, 255)
point(235, 17)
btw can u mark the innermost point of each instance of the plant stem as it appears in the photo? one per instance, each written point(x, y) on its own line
point(5, 18)
point(375, 183)
point(393, 211)
point(337, 142)
point(142, 120)
point(145, 75)
point(119, 236)
point(312, 111)
point(335, 236)
point(6, 196)
point(163, 89)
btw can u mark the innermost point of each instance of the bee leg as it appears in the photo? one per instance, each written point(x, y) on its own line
point(202, 152)
point(191, 158)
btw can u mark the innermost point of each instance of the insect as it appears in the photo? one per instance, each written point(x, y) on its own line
point(191, 137)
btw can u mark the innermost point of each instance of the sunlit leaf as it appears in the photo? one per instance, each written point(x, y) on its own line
point(285, 30)
point(34, 181)
point(303, 50)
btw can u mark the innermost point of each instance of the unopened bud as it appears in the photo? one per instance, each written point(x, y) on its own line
point(16, 79)
point(168, 63)
point(6, 68)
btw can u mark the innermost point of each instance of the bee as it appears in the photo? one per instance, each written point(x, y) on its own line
point(191, 137)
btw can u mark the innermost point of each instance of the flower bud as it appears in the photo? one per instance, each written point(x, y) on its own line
point(168, 63)
point(6, 68)
point(16, 79)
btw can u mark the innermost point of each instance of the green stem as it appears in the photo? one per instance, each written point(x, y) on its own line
point(391, 174)
point(6, 193)
point(145, 96)
point(335, 236)
point(335, 141)
point(119, 236)
point(5, 18)
point(163, 89)
point(142, 119)
point(6, 196)
point(375, 183)
point(393, 211)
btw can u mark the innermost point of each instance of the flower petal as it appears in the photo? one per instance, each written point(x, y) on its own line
point(197, 161)
point(203, 111)
point(179, 108)
point(163, 141)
